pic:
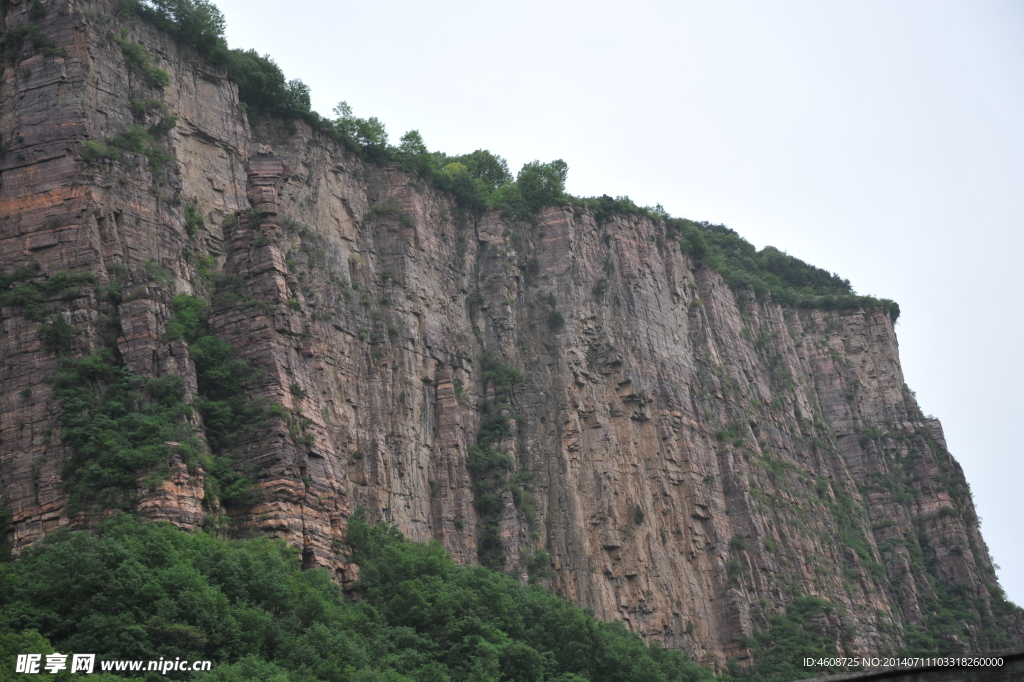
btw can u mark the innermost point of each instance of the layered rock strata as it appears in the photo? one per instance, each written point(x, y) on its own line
point(691, 458)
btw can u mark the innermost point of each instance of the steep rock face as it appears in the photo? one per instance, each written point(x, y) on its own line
point(692, 459)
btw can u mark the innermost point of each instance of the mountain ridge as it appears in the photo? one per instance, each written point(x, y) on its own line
point(690, 451)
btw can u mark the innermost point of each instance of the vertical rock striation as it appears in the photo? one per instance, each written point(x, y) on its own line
point(690, 458)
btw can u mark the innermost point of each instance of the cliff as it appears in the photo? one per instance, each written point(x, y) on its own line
point(690, 458)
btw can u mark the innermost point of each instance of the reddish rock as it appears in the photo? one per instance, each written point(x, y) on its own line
point(693, 457)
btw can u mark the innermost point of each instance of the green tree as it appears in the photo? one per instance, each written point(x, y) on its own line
point(413, 155)
point(367, 134)
point(490, 169)
point(194, 22)
point(542, 184)
point(140, 590)
point(262, 85)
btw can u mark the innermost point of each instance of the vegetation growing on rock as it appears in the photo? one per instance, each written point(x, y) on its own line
point(359, 315)
point(135, 590)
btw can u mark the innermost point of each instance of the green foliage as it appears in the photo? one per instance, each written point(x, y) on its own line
point(539, 562)
point(555, 320)
point(953, 612)
point(730, 434)
point(779, 651)
point(949, 611)
point(15, 39)
point(531, 269)
point(94, 151)
point(542, 184)
point(460, 390)
point(148, 107)
point(56, 335)
point(193, 220)
point(457, 179)
point(30, 291)
point(771, 266)
point(778, 467)
point(36, 11)
point(537, 185)
point(490, 467)
point(228, 413)
point(230, 290)
point(473, 179)
point(483, 166)
point(738, 543)
point(390, 211)
point(476, 181)
point(412, 154)
point(692, 242)
point(770, 272)
point(189, 319)
point(13, 643)
point(197, 23)
point(481, 179)
point(605, 208)
point(139, 59)
point(156, 273)
point(503, 378)
point(117, 424)
point(485, 625)
point(262, 86)
point(122, 426)
point(134, 590)
point(136, 139)
point(366, 135)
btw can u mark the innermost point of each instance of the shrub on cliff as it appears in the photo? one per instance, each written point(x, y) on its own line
point(801, 632)
point(29, 292)
point(489, 169)
point(542, 184)
point(221, 376)
point(197, 23)
point(769, 272)
point(17, 37)
point(473, 179)
point(122, 426)
point(262, 85)
point(366, 135)
point(481, 179)
point(117, 424)
point(477, 181)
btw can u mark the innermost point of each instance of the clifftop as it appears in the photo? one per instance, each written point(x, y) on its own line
point(220, 318)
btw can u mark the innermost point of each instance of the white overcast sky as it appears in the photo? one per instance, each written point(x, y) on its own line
point(883, 140)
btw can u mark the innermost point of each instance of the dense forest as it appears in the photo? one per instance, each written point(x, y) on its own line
point(131, 590)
